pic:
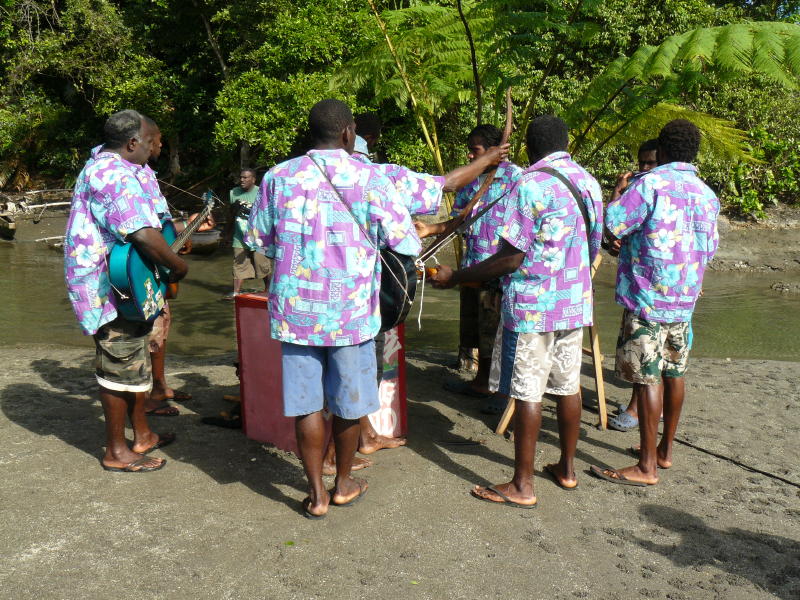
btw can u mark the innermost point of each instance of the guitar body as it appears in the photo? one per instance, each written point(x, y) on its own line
point(396, 298)
point(142, 286)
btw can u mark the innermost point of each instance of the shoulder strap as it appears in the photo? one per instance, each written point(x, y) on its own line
point(578, 196)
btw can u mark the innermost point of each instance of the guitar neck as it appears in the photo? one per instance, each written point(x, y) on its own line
point(180, 241)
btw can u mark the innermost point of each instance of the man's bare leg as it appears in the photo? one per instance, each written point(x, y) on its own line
point(345, 437)
point(161, 392)
point(370, 441)
point(237, 285)
point(650, 404)
point(674, 394)
point(568, 411)
point(527, 422)
point(116, 406)
point(310, 432)
point(329, 462)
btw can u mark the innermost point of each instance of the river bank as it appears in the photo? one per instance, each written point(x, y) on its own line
point(222, 520)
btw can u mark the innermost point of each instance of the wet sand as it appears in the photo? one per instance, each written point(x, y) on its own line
point(222, 519)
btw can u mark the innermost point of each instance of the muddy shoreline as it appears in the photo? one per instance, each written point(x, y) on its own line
point(222, 520)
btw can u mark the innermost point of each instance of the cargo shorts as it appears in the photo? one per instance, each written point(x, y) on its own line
point(122, 356)
point(648, 351)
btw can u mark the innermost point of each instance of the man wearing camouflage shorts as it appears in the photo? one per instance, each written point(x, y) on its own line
point(667, 221)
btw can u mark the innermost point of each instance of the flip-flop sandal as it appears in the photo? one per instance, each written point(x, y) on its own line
point(623, 422)
point(506, 500)
point(180, 396)
point(619, 479)
point(551, 471)
point(465, 389)
point(309, 515)
point(131, 468)
point(163, 440)
point(165, 410)
point(634, 451)
point(362, 491)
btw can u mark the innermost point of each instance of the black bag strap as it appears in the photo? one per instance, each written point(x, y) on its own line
point(575, 192)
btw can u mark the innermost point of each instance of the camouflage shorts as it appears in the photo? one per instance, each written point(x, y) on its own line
point(160, 329)
point(647, 350)
point(122, 357)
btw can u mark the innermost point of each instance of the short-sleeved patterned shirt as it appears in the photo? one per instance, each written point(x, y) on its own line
point(552, 289)
point(483, 239)
point(149, 181)
point(421, 192)
point(326, 284)
point(668, 223)
point(108, 204)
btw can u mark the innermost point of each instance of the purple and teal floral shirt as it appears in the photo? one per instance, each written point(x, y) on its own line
point(421, 192)
point(552, 289)
point(108, 204)
point(149, 181)
point(668, 223)
point(483, 236)
point(326, 285)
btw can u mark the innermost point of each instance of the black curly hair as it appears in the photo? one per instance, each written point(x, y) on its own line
point(678, 141)
point(546, 134)
point(328, 118)
point(489, 135)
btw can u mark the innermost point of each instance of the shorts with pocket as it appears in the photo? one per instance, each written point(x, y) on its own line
point(525, 366)
point(648, 351)
point(122, 356)
point(249, 264)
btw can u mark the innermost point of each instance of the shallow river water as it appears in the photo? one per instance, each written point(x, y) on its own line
point(738, 317)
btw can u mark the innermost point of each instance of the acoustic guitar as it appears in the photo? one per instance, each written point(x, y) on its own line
point(140, 285)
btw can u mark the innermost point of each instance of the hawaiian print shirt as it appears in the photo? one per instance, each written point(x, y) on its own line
point(149, 180)
point(552, 289)
point(326, 285)
point(421, 192)
point(108, 204)
point(482, 239)
point(668, 223)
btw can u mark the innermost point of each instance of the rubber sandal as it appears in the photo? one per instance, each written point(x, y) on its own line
point(130, 468)
point(620, 479)
point(362, 491)
point(506, 500)
point(309, 515)
point(180, 396)
point(623, 422)
point(163, 440)
point(163, 410)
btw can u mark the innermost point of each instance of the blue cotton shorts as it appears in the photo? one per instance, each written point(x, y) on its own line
point(343, 378)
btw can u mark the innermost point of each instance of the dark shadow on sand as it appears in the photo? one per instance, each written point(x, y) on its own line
point(769, 561)
point(223, 454)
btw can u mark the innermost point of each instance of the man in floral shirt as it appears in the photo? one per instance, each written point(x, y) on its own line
point(545, 255)
point(667, 221)
point(479, 307)
point(324, 297)
point(110, 206)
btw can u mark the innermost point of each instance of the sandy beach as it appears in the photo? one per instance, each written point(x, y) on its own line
point(222, 519)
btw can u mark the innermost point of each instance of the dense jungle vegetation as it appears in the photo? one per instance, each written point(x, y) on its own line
point(230, 83)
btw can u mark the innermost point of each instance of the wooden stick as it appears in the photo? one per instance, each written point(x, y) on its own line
point(506, 418)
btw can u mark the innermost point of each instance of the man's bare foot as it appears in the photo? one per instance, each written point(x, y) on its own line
point(316, 508)
point(631, 475)
point(379, 442)
point(562, 479)
point(358, 464)
point(348, 491)
point(152, 441)
point(505, 493)
point(663, 461)
point(125, 459)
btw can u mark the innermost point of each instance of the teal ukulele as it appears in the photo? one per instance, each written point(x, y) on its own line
point(141, 286)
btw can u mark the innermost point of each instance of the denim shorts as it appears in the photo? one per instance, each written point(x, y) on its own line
point(341, 378)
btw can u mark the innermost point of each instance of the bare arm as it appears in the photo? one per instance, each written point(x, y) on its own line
point(152, 244)
point(507, 260)
point(461, 176)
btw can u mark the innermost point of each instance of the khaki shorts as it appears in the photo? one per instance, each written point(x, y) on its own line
point(249, 264)
point(160, 329)
point(526, 366)
point(647, 350)
point(122, 357)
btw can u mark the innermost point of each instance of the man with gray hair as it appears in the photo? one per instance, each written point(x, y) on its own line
point(110, 206)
